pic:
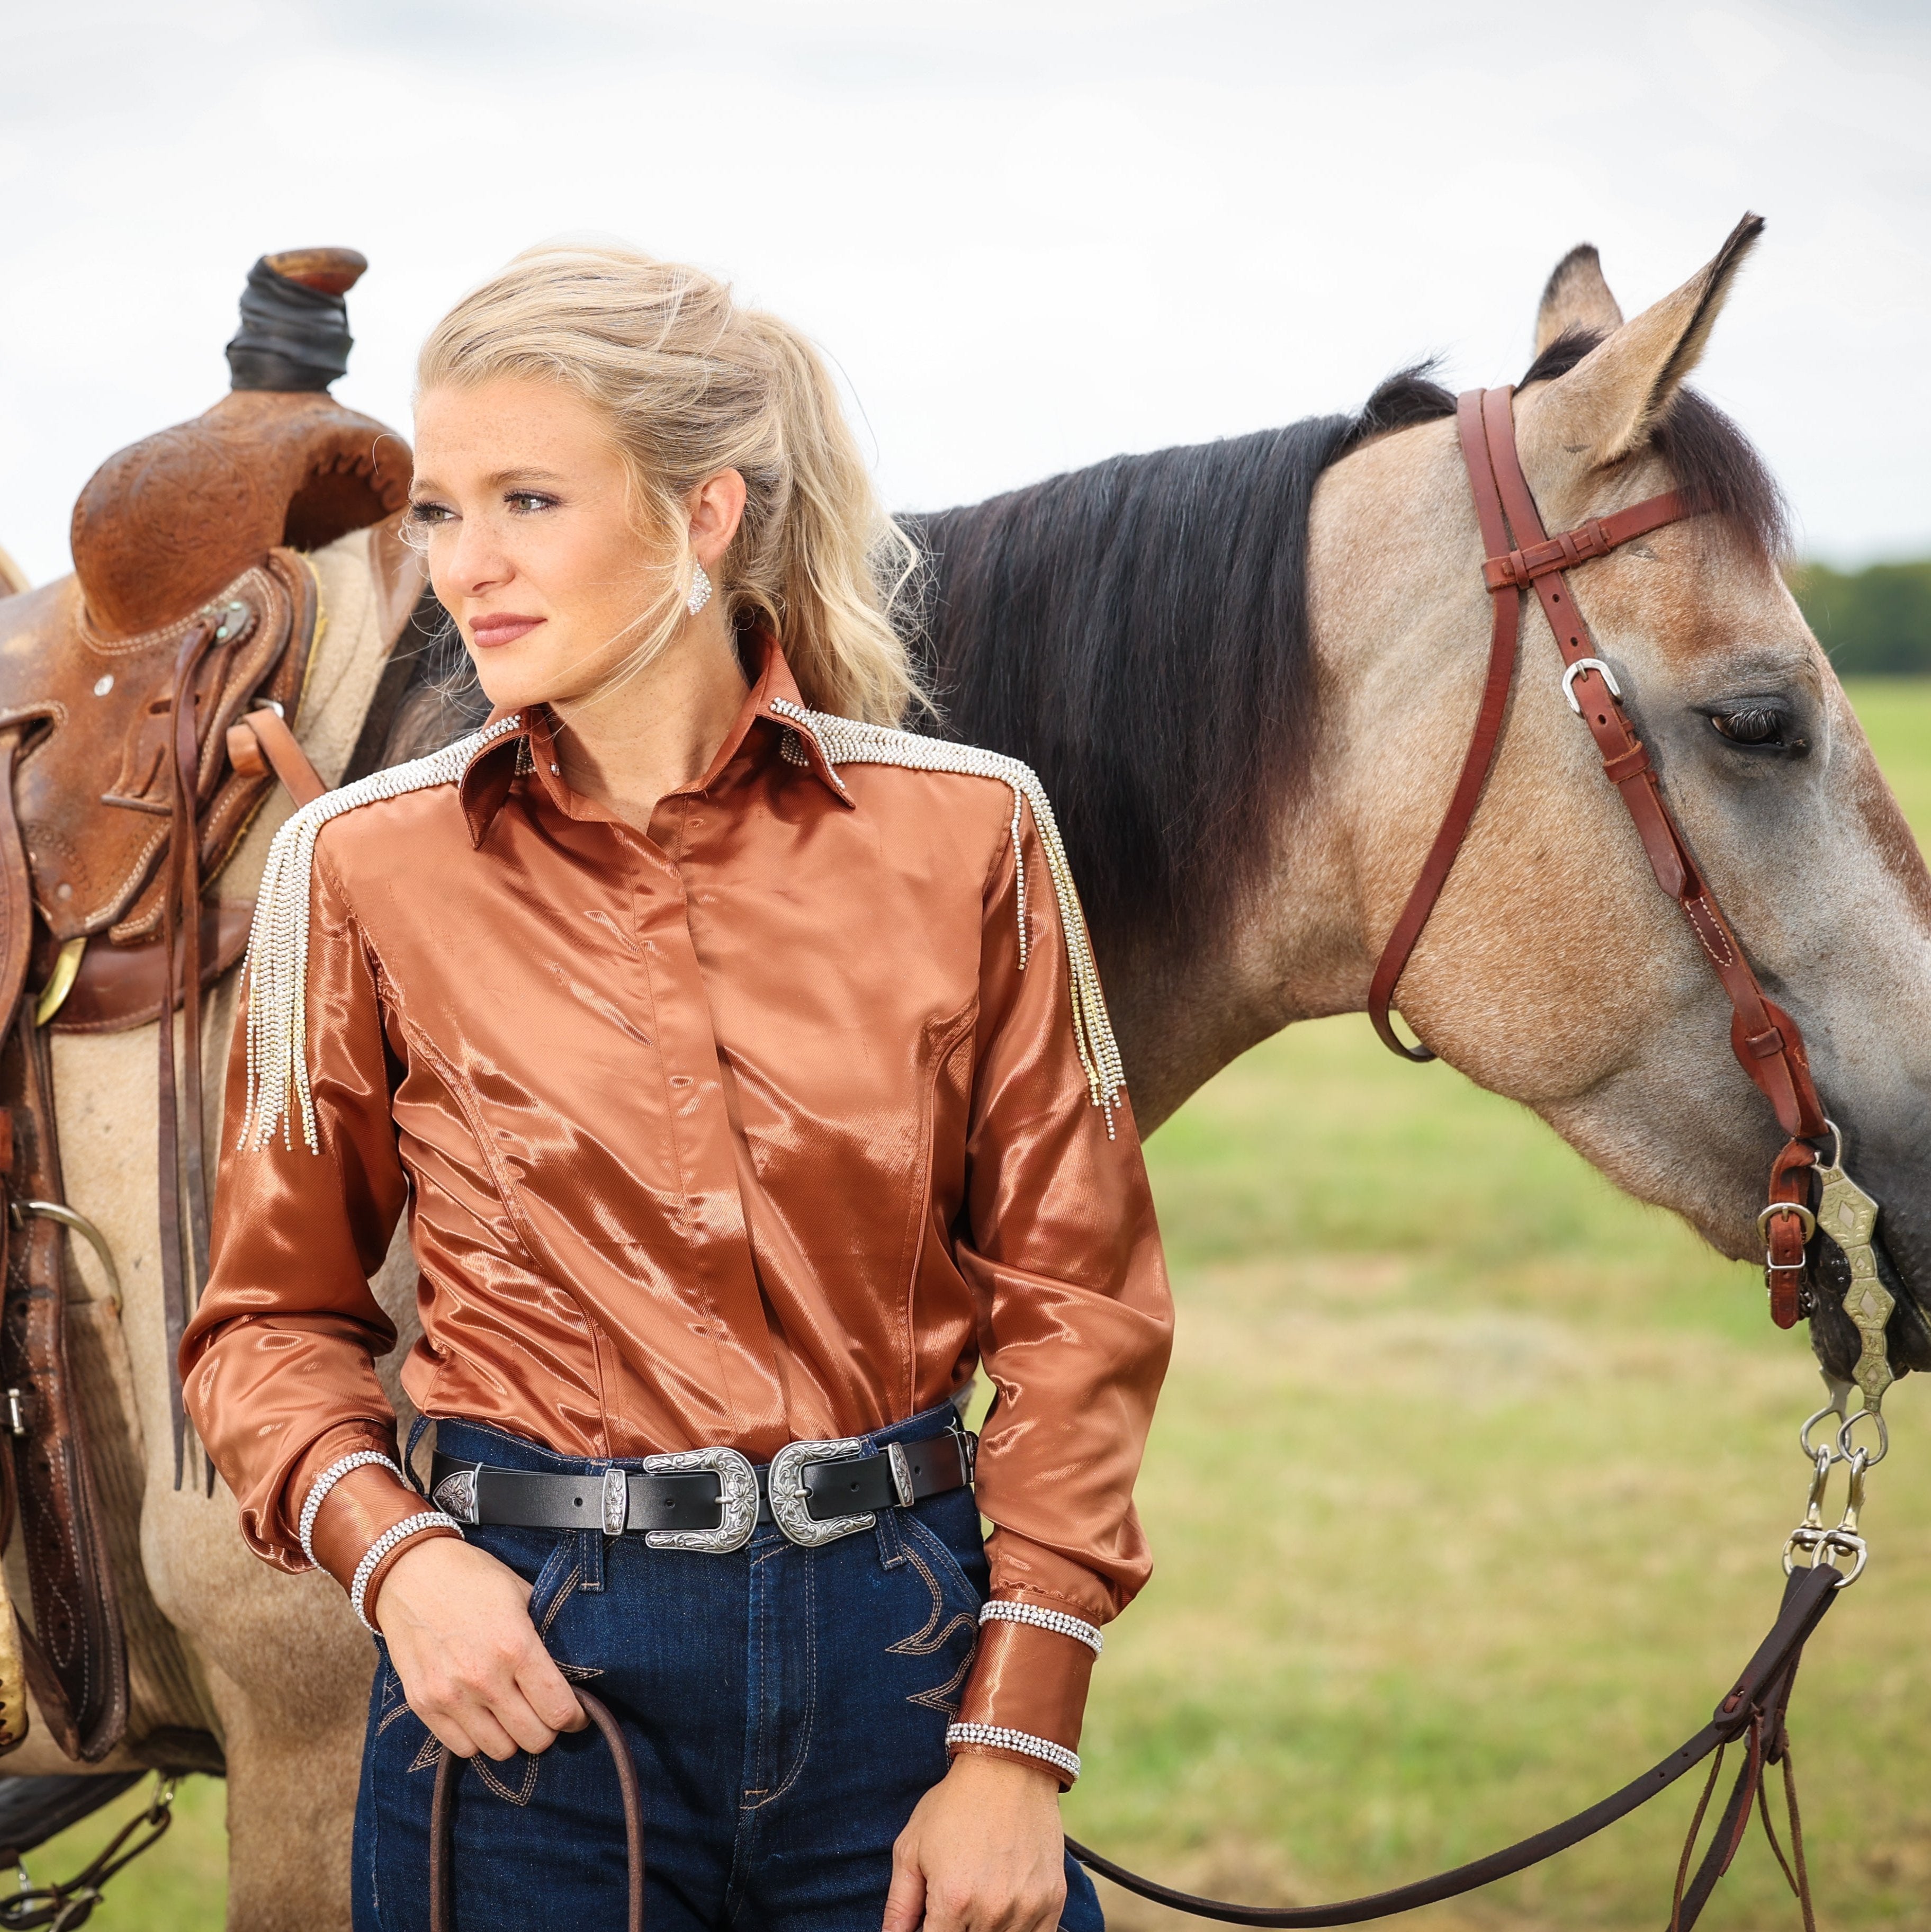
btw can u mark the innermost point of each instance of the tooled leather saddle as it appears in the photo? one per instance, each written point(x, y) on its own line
point(144, 707)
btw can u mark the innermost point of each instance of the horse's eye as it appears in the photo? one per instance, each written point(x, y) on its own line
point(1753, 724)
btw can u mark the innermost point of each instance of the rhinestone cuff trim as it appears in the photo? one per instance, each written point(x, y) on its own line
point(1001, 1611)
point(278, 1087)
point(318, 1490)
point(410, 1526)
point(1057, 1756)
point(843, 741)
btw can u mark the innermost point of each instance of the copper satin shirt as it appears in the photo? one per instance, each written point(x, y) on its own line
point(750, 1131)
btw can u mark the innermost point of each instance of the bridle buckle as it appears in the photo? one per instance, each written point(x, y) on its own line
point(1576, 669)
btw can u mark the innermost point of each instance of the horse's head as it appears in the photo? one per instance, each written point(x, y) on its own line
point(1553, 970)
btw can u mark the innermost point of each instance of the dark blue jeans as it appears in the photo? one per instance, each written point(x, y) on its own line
point(787, 1708)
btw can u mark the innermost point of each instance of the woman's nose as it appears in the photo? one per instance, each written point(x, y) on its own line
point(474, 562)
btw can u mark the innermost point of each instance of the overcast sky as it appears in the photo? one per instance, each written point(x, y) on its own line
point(1031, 232)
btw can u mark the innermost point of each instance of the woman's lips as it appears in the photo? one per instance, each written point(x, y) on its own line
point(490, 631)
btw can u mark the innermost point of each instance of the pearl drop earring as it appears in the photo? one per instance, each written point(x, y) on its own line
point(700, 588)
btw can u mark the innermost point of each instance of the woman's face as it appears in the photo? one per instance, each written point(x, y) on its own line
point(521, 495)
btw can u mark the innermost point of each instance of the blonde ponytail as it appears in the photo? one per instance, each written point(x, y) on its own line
point(692, 384)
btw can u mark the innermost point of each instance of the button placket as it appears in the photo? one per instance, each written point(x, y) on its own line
point(712, 1215)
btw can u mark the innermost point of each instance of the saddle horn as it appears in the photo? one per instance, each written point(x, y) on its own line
point(294, 334)
point(166, 526)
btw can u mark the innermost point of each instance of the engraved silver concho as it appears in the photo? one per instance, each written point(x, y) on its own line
point(737, 1491)
point(456, 1495)
point(617, 1502)
point(791, 1502)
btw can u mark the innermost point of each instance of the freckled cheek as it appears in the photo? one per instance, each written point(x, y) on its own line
point(595, 590)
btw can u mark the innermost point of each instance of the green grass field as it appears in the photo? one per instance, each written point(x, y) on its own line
point(1467, 1492)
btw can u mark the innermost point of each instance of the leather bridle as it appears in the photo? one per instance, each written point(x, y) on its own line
point(1521, 556)
point(1768, 1043)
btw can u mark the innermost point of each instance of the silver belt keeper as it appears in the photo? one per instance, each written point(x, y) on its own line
point(617, 1502)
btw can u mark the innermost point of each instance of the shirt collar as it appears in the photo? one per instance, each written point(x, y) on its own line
point(528, 745)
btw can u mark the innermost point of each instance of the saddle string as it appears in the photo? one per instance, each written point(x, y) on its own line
point(183, 1176)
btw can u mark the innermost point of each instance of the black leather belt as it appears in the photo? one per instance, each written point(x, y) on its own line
point(712, 1500)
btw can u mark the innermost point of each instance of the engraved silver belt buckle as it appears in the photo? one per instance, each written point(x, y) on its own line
point(737, 1493)
point(791, 1502)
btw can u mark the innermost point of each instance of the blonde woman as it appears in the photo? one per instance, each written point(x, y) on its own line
point(740, 1064)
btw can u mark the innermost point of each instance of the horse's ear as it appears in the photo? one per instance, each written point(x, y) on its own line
point(1576, 298)
point(1607, 405)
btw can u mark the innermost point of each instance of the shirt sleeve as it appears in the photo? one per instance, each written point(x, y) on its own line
point(277, 1365)
point(1063, 1251)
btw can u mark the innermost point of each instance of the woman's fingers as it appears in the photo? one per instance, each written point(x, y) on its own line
point(512, 1712)
point(549, 1693)
point(982, 1852)
point(487, 1738)
point(456, 1621)
point(453, 1737)
point(499, 1713)
point(905, 1902)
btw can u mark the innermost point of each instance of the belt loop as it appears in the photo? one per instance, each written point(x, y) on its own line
point(590, 1548)
point(891, 1544)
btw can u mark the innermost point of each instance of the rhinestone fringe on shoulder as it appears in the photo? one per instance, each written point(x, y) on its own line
point(843, 741)
point(278, 941)
point(278, 1087)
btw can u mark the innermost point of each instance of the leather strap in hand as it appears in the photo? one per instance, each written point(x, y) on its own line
point(442, 1821)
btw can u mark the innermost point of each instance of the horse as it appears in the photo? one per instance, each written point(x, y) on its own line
point(1245, 672)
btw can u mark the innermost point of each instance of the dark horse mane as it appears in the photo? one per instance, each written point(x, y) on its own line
point(1137, 632)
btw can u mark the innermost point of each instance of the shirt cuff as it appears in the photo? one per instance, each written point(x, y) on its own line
point(362, 1506)
point(1028, 1681)
point(362, 1436)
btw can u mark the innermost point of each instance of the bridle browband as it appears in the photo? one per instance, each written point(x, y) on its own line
point(1768, 1043)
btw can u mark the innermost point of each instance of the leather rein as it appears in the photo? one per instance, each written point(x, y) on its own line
point(1521, 557)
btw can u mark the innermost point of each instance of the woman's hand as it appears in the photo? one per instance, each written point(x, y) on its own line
point(457, 1622)
point(983, 1852)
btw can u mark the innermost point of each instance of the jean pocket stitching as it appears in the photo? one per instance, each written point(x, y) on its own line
point(946, 1696)
point(938, 1630)
point(935, 1547)
point(389, 1717)
point(531, 1764)
point(556, 1577)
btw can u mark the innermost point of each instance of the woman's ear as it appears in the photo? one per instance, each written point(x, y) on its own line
point(716, 509)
